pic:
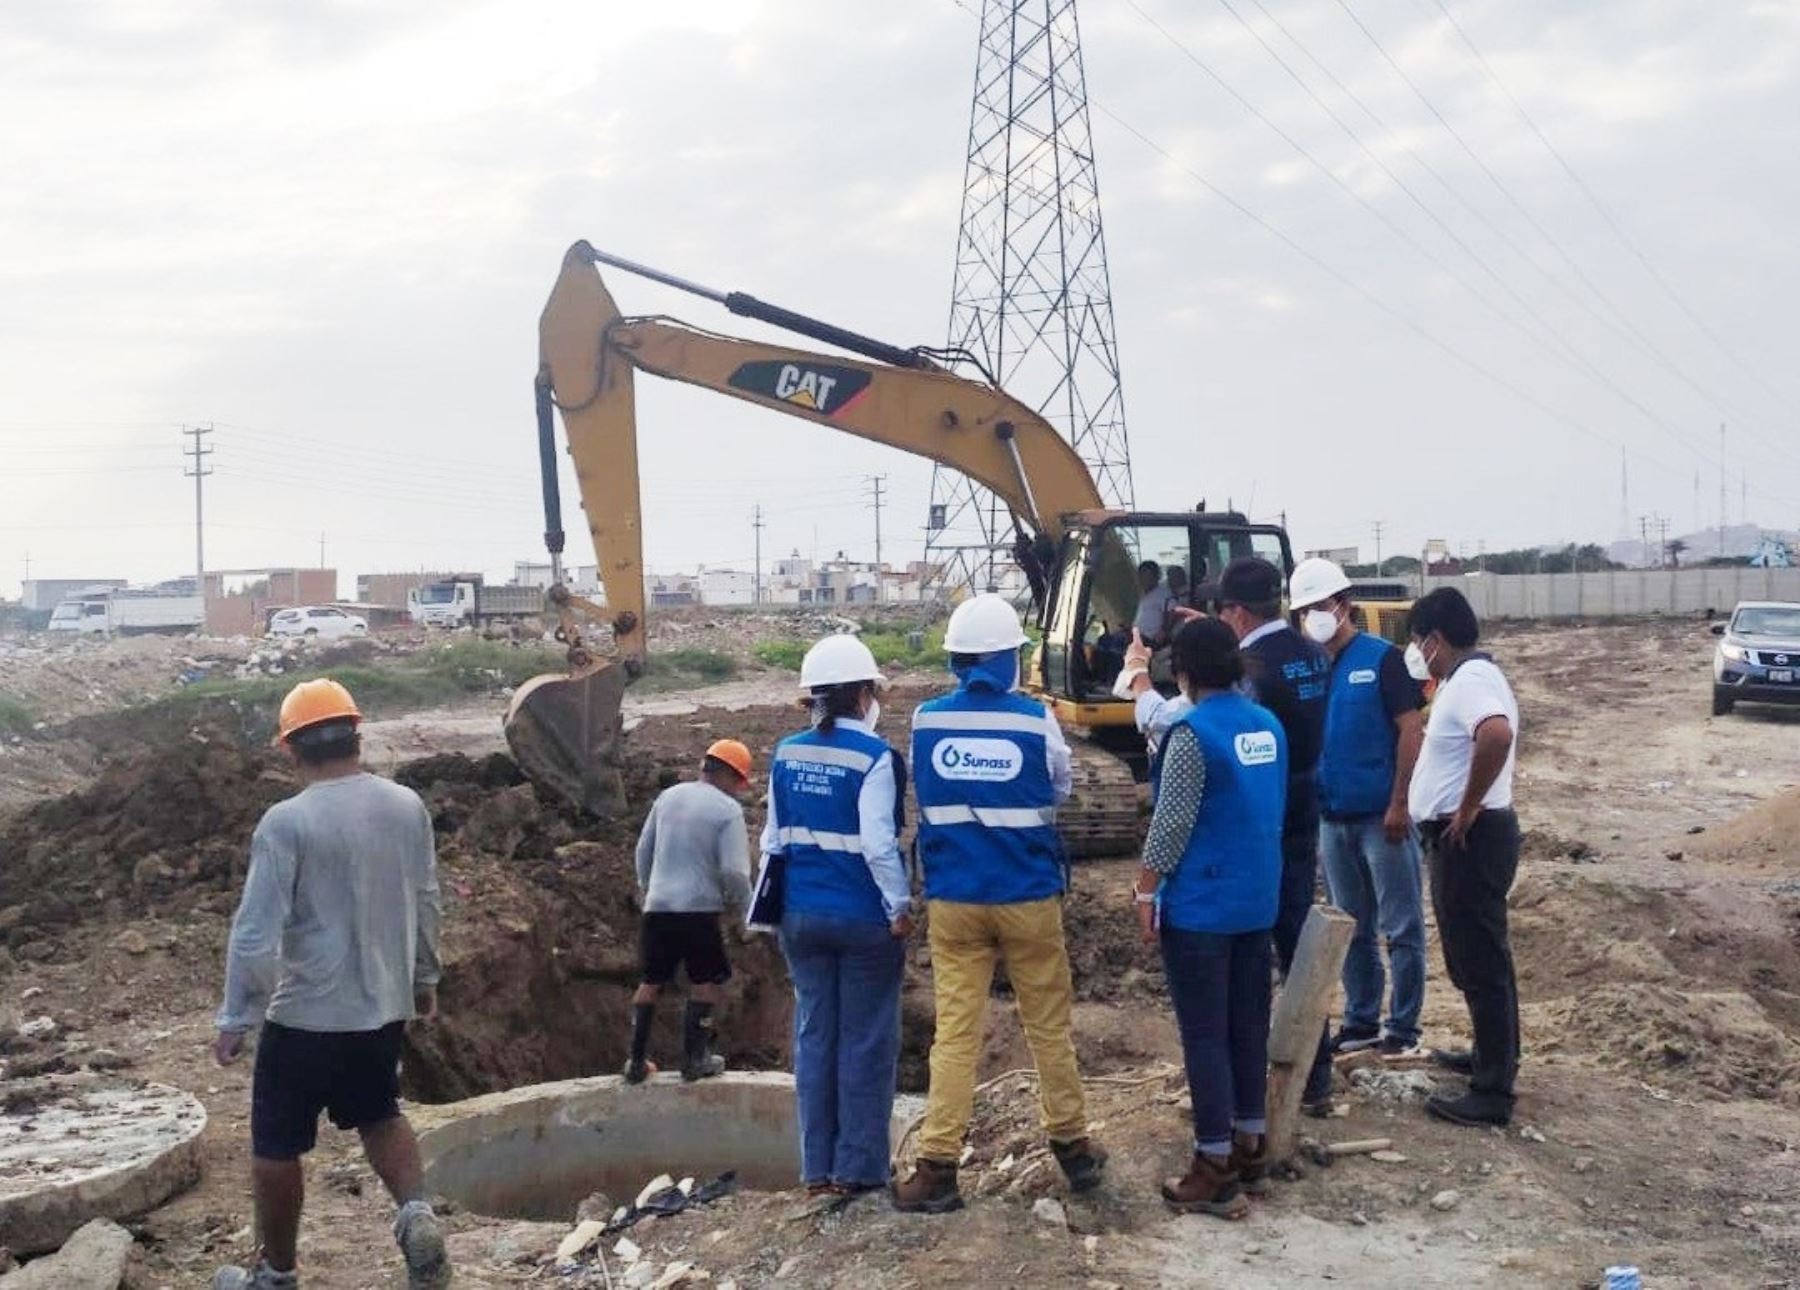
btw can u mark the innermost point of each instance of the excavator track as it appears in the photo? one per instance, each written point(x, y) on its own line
point(1105, 815)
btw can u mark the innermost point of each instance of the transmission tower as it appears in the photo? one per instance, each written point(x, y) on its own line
point(1031, 296)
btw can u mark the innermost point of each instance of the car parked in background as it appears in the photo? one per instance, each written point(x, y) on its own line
point(1758, 656)
point(321, 621)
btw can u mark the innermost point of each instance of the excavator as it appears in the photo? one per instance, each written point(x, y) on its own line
point(1080, 557)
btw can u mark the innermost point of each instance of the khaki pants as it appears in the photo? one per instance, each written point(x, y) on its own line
point(965, 941)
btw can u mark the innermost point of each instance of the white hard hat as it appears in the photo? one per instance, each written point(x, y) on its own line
point(984, 624)
point(837, 660)
point(1315, 580)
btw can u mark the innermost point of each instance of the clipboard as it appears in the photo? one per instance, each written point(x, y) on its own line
point(768, 902)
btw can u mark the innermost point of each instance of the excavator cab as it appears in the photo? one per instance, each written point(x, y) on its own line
point(1095, 590)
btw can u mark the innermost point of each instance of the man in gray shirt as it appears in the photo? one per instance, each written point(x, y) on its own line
point(333, 950)
point(693, 862)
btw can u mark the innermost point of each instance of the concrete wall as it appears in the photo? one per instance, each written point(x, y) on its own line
point(1620, 593)
point(245, 613)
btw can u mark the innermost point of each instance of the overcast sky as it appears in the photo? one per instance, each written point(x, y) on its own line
point(329, 228)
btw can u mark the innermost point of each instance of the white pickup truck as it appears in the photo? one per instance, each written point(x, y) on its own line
point(125, 612)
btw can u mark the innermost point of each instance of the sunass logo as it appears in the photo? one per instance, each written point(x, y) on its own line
point(991, 761)
point(815, 387)
point(1256, 748)
point(1362, 676)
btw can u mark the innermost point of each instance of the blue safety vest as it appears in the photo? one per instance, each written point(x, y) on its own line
point(1229, 878)
point(987, 808)
point(1356, 761)
point(815, 781)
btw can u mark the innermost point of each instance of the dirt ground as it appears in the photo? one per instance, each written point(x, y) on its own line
point(1656, 927)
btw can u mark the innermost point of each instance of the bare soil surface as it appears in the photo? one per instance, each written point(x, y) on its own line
point(1656, 927)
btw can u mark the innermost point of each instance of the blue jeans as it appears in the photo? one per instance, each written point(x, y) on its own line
point(846, 1043)
point(1219, 984)
point(1376, 882)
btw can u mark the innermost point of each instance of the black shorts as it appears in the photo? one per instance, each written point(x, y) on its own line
point(355, 1075)
point(667, 941)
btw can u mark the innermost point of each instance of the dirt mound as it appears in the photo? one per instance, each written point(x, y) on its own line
point(157, 828)
point(1765, 837)
point(1717, 1042)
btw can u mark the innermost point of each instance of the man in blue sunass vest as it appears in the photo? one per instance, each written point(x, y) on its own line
point(990, 766)
point(1373, 730)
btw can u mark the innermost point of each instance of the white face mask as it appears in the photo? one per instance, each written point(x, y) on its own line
point(1416, 666)
point(873, 714)
point(1320, 625)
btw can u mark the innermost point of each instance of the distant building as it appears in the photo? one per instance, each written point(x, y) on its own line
point(41, 595)
point(239, 601)
point(668, 591)
point(1344, 555)
point(582, 579)
point(727, 587)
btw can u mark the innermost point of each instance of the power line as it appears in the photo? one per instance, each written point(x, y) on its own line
point(1620, 319)
point(1606, 215)
point(1566, 354)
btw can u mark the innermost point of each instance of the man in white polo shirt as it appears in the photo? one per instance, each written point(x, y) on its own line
point(1461, 797)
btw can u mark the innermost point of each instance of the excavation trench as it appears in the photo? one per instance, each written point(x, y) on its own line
point(538, 1152)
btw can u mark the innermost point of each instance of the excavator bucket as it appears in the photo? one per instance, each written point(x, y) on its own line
point(566, 733)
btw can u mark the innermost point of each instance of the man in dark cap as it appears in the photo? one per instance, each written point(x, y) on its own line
point(1288, 675)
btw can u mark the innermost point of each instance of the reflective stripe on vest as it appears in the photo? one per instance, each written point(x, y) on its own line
point(963, 719)
point(805, 837)
point(993, 817)
point(849, 758)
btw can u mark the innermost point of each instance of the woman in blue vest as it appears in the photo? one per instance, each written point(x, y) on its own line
point(835, 808)
point(1208, 891)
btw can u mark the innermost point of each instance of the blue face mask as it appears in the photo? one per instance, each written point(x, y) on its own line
point(997, 672)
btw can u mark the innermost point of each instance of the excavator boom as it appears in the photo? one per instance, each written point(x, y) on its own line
point(565, 731)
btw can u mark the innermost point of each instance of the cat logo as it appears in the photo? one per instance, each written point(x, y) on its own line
point(811, 387)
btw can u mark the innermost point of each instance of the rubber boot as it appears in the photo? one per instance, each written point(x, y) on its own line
point(1209, 1187)
point(637, 1066)
point(1082, 1161)
point(931, 1189)
point(699, 1061)
point(1250, 1161)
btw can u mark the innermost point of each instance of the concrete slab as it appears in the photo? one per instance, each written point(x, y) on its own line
point(538, 1152)
point(92, 1259)
point(76, 1149)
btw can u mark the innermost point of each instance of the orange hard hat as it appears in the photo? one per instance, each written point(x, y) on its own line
point(313, 702)
point(733, 754)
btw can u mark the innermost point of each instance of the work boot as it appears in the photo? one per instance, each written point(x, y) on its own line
point(1460, 1060)
point(637, 1065)
point(1209, 1187)
point(1474, 1110)
point(421, 1240)
point(261, 1277)
point(1250, 1161)
point(930, 1190)
point(699, 1061)
point(1082, 1161)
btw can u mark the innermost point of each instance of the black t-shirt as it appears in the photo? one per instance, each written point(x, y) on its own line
point(1289, 676)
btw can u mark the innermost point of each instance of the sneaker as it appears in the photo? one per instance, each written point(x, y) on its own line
point(261, 1277)
point(1082, 1161)
point(931, 1189)
point(1353, 1039)
point(1395, 1047)
point(1473, 1110)
point(421, 1240)
point(1250, 1161)
point(1460, 1060)
point(1210, 1186)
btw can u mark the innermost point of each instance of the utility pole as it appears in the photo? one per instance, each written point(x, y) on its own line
point(1662, 540)
point(198, 472)
point(321, 549)
point(1644, 539)
point(875, 484)
point(1722, 519)
point(756, 523)
point(1377, 548)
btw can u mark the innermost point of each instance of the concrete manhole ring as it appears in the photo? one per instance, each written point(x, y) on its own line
point(74, 1149)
